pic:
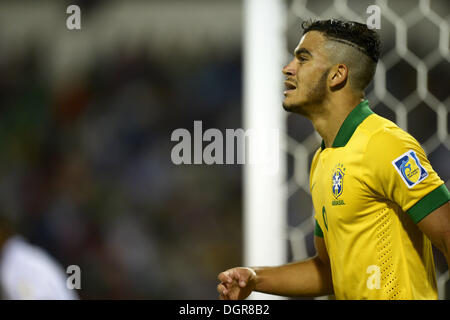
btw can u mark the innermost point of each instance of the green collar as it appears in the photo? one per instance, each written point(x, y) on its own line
point(353, 120)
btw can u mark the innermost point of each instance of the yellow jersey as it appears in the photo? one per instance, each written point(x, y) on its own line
point(369, 191)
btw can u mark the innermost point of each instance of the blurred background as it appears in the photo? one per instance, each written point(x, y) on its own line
point(87, 116)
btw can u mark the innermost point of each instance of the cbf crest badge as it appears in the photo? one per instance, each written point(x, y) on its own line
point(410, 169)
point(338, 180)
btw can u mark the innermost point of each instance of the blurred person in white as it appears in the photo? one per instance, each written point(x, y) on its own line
point(28, 272)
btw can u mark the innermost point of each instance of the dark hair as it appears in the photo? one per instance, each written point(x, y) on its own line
point(351, 33)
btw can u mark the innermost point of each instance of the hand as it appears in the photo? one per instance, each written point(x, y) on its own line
point(236, 283)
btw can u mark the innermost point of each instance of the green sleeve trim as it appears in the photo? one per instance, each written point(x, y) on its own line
point(429, 203)
point(317, 231)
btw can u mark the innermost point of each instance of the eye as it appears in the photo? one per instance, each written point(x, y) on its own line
point(302, 59)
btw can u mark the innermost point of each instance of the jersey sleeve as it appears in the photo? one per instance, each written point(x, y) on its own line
point(318, 231)
point(397, 169)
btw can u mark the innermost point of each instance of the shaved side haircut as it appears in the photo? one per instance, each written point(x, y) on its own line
point(352, 44)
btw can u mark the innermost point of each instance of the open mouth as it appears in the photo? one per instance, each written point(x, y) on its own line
point(289, 86)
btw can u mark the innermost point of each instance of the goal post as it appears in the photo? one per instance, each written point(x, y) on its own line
point(264, 190)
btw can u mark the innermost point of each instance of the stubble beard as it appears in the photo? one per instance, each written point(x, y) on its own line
point(315, 97)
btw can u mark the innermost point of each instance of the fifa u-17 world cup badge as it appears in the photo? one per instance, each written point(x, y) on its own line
point(337, 185)
point(410, 169)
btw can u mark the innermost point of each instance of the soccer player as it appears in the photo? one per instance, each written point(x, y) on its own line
point(379, 205)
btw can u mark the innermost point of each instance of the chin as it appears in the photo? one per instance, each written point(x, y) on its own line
point(288, 106)
point(295, 108)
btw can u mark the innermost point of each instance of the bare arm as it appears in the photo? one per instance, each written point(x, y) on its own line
point(436, 226)
point(307, 278)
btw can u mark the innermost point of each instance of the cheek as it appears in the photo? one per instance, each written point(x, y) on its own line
point(304, 73)
point(309, 75)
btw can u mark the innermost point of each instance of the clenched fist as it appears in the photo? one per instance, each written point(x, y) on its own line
point(236, 283)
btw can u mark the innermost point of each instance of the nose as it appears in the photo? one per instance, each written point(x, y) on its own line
point(288, 70)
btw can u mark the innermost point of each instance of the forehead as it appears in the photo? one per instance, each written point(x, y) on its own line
point(312, 41)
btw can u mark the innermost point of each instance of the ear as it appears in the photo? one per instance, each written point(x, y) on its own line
point(338, 76)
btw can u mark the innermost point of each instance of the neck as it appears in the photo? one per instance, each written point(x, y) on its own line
point(334, 111)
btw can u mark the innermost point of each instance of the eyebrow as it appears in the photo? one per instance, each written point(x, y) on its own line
point(302, 50)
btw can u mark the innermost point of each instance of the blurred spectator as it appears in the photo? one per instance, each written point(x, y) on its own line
point(28, 272)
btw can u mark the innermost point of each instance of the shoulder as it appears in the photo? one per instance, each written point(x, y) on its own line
point(19, 255)
point(313, 166)
point(315, 159)
point(20, 264)
point(386, 139)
